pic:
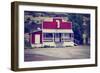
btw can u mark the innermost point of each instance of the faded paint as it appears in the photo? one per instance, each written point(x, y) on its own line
point(53, 24)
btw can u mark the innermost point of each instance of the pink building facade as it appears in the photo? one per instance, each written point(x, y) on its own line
point(55, 32)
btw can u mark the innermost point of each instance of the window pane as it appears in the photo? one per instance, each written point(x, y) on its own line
point(47, 36)
point(66, 36)
point(57, 35)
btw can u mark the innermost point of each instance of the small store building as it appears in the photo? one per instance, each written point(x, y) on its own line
point(55, 32)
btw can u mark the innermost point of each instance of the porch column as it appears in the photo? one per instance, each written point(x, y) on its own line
point(72, 37)
point(62, 36)
point(53, 37)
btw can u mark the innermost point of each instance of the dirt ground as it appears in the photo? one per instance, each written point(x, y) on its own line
point(42, 54)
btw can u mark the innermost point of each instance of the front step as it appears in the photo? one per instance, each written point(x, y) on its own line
point(59, 45)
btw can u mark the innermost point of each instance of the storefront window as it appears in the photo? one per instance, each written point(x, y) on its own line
point(48, 37)
point(66, 36)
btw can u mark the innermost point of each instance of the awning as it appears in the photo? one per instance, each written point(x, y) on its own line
point(57, 31)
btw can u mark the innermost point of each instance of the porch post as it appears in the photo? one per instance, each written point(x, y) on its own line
point(53, 36)
point(62, 36)
point(72, 36)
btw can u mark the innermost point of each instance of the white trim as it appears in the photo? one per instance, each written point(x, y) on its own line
point(37, 39)
point(57, 31)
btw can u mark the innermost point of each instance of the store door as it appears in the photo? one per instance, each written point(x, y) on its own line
point(37, 39)
point(57, 37)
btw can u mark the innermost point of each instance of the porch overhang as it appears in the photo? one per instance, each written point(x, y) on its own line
point(57, 31)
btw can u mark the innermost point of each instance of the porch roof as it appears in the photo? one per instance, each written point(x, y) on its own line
point(57, 31)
